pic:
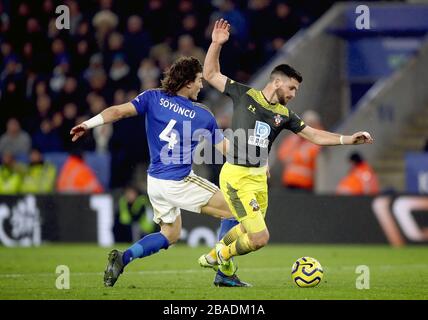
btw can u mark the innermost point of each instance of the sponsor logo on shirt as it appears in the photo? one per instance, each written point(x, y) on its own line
point(260, 139)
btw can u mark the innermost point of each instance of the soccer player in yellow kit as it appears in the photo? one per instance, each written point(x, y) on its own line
point(258, 118)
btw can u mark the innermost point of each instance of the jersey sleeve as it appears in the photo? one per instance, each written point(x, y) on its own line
point(141, 102)
point(235, 89)
point(294, 123)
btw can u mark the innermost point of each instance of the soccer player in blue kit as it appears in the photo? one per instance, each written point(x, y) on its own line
point(174, 127)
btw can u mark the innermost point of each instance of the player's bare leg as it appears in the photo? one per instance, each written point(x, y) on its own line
point(171, 231)
point(217, 207)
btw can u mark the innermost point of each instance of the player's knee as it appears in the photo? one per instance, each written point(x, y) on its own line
point(263, 240)
point(260, 239)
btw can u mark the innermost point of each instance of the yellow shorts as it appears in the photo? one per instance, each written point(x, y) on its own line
point(246, 193)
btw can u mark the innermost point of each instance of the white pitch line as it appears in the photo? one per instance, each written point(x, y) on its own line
point(148, 272)
point(180, 271)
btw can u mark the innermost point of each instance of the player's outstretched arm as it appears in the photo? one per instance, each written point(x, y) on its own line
point(108, 115)
point(211, 70)
point(325, 138)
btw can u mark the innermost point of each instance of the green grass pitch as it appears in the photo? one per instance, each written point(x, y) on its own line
point(395, 273)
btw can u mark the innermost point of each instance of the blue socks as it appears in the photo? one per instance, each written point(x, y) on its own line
point(225, 226)
point(146, 246)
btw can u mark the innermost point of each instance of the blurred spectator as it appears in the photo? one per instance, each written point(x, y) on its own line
point(15, 140)
point(133, 218)
point(40, 43)
point(260, 13)
point(162, 54)
point(97, 84)
point(361, 179)
point(43, 111)
point(77, 177)
point(104, 23)
point(101, 134)
point(299, 156)
point(69, 93)
point(47, 138)
point(48, 12)
point(159, 19)
point(285, 20)
point(115, 47)
point(137, 41)
point(12, 86)
point(425, 149)
point(148, 73)
point(187, 48)
point(59, 74)
point(75, 15)
point(4, 19)
point(10, 174)
point(39, 176)
point(59, 51)
point(119, 97)
point(95, 66)
point(229, 11)
point(41, 88)
point(190, 25)
point(82, 56)
point(120, 74)
point(69, 113)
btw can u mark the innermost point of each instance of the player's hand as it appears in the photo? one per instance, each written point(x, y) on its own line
point(78, 131)
point(361, 138)
point(220, 32)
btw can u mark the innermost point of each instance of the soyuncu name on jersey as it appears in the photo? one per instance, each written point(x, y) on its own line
point(175, 107)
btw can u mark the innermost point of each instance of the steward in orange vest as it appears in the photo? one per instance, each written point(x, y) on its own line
point(361, 179)
point(299, 171)
point(77, 177)
point(299, 156)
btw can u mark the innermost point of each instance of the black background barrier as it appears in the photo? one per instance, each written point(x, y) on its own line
point(326, 219)
point(291, 218)
point(30, 220)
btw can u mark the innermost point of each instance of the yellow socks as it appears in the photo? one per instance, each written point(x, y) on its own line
point(232, 235)
point(238, 247)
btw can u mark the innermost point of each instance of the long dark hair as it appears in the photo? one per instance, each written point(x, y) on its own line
point(182, 72)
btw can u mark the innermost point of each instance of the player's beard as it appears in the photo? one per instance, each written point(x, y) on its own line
point(281, 97)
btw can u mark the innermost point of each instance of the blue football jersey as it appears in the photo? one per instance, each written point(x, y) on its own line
point(174, 127)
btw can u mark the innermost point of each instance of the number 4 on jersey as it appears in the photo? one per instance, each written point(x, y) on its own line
point(172, 138)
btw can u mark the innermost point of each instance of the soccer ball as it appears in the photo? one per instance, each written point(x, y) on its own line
point(306, 272)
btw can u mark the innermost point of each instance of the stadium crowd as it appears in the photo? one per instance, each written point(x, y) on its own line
point(51, 79)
